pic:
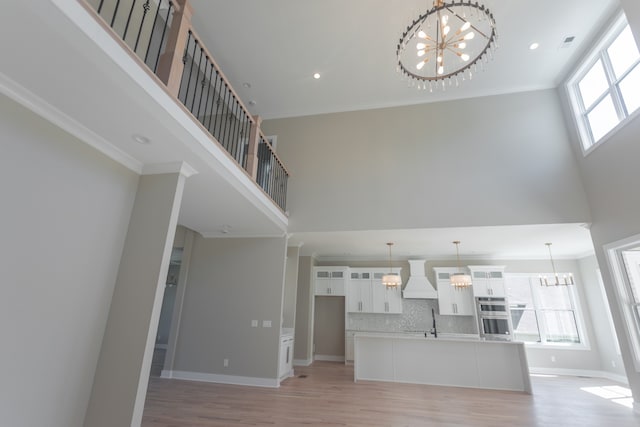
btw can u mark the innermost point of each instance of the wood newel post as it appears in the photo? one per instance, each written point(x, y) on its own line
point(171, 65)
point(254, 141)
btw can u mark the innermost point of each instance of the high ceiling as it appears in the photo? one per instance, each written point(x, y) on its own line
point(271, 49)
point(276, 46)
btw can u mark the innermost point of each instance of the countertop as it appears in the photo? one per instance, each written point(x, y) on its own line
point(415, 335)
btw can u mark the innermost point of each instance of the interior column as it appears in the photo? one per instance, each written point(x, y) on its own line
point(122, 374)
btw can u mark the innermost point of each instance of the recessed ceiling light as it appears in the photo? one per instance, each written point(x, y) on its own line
point(140, 139)
point(252, 103)
point(246, 84)
point(534, 46)
point(316, 76)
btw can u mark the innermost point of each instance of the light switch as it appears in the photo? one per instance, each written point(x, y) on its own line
point(266, 323)
point(254, 323)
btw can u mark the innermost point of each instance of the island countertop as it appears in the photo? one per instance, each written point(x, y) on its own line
point(460, 360)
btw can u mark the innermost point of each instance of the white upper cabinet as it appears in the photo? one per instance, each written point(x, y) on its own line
point(453, 301)
point(488, 280)
point(367, 294)
point(331, 281)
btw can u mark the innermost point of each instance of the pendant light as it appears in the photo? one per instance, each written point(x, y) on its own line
point(459, 280)
point(566, 280)
point(391, 281)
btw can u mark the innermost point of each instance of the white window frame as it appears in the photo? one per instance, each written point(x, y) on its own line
point(579, 114)
point(624, 299)
point(576, 305)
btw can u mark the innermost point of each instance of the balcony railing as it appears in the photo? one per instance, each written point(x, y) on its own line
point(160, 34)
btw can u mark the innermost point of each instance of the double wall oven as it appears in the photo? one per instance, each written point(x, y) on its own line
point(494, 320)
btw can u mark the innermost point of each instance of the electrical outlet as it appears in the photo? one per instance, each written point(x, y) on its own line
point(225, 363)
point(254, 323)
point(553, 359)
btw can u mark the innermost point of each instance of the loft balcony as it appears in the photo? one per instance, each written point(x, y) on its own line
point(107, 71)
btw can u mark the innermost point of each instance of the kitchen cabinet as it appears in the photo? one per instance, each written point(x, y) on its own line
point(330, 281)
point(488, 280)
point(453, 301)
point(367, 294)
point(359, 298)
point(286, 356)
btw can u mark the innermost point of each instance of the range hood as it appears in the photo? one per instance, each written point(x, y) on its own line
point(418, 286)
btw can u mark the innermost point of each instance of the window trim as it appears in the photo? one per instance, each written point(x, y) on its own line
point(576, 302)
point(578, 110)
point(622, 288)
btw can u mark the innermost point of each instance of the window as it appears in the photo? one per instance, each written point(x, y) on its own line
point(543, 314)
point(605, 90)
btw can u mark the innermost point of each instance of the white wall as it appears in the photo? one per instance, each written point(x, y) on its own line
point(230, 283)
point(506, 156)
point(64, 217)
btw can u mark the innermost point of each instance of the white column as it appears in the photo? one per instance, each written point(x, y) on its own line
point(122, 374)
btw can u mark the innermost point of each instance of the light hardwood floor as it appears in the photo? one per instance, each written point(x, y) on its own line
point(327, 396)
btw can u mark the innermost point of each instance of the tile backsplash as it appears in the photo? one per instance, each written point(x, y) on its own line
point(416, 316)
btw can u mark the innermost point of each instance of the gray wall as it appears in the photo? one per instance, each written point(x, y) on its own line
point(65, 212)
point(290, 288)
point(344, 164)
point(230, 283)
point(303, 342)
point(328, 330)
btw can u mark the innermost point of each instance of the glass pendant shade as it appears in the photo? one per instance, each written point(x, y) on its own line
point(459, 280)
point(391, 280)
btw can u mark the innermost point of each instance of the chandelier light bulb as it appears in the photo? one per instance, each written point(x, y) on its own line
point(420, 65)
point(469, 36)
point(461, 45)
point(422, 34)
point(421, 52)
point(464, 57)
point(420, 46)
point(465, 26)
point(441, 70)
point(445, 19)
point(439, 59)
point(446, 30)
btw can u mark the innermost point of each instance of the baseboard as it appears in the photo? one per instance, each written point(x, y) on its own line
point(302, 362)
point(222, 379)
point(580, 373)
point(328, 358)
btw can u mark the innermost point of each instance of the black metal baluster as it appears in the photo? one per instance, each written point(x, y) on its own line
point(164, 30)
point(115, 12)
point(272, 180)
point(206, 100)
point(247, 136)
point(259, 160)
point(185, 56)
point(193, 60)
point(100, 6)
point(216, 124)
point(213, 101)
point(195, 84)
point(153, 32)
point(145, 8)
point(227, 124)
point(234, 132)
point(126, 27)
point(284, 192)
point(223, 121)
point(202, 83)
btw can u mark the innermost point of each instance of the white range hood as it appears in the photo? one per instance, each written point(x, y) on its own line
point(418, 286)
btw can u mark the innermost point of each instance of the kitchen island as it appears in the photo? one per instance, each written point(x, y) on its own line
point(446, 360)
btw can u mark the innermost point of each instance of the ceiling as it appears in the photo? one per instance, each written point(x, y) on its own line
point(276, 46)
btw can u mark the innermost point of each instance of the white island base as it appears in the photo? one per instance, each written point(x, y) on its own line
point(498, 365)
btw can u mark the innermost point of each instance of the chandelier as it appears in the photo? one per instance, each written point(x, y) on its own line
point(391, 280)
point(446, 44)
point(459, 280)
point(566, 280)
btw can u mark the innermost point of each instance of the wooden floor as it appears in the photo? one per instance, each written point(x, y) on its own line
point(324, 394)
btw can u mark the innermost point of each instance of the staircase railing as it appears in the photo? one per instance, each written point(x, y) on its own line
point(160, 34)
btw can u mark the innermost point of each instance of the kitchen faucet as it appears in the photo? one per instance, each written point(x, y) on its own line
point(434, 331)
